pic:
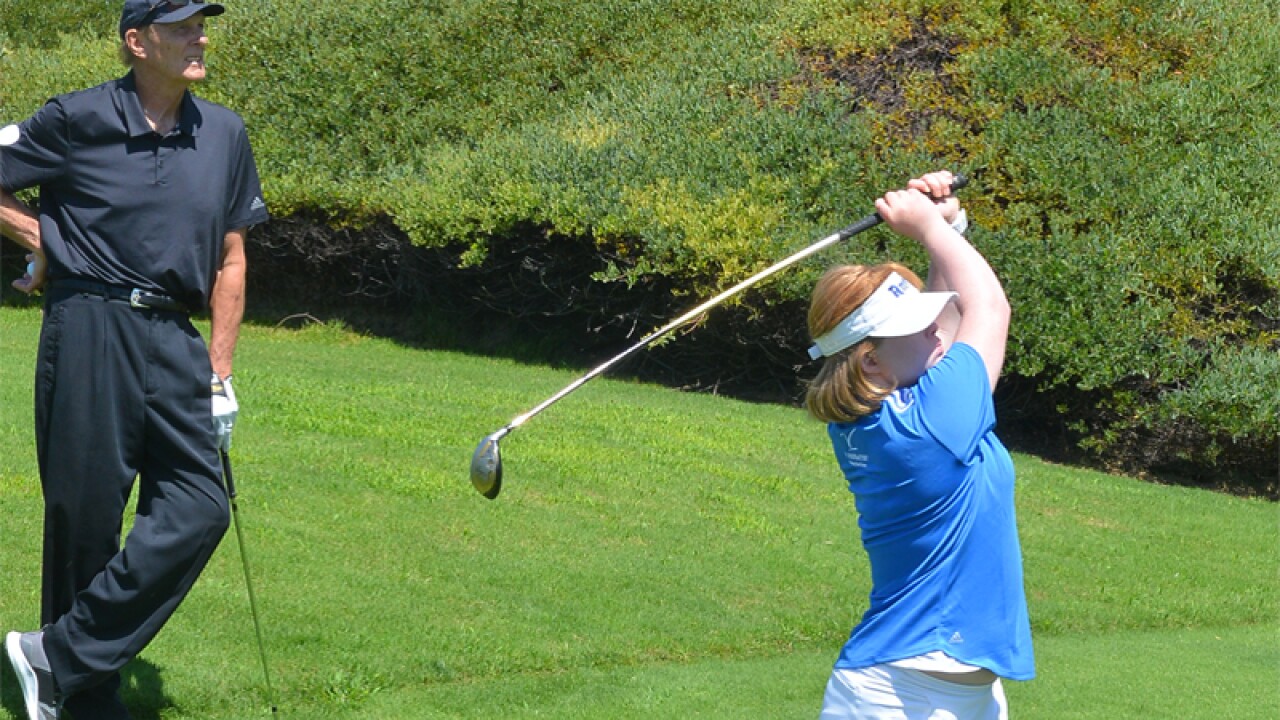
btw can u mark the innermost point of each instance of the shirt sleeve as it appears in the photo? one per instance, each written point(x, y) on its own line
point(40, 153)
point(955, 400)
point(247, 207)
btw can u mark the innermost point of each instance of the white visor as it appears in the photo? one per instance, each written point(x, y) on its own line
point(895, 309)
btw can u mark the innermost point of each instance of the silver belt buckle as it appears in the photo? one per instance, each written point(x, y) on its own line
point(135, 299)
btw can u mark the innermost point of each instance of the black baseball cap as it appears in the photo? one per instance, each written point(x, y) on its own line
point(138, 13)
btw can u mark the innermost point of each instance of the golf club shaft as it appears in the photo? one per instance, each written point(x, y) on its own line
point(862, 225)
point(868, 222)
point(248, 579)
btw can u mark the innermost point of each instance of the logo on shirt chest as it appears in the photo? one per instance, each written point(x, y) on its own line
point(853, 454)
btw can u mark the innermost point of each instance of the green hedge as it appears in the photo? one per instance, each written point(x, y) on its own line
point(1124, 153)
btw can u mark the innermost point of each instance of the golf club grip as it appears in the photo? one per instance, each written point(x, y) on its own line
point(957, 182)
point(226, 474)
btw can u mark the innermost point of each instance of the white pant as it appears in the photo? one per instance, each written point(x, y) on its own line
point(882, 692)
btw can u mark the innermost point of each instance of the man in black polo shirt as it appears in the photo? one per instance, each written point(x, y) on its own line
point(146, 194)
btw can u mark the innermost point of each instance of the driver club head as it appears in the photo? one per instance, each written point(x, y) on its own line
point(486, 466)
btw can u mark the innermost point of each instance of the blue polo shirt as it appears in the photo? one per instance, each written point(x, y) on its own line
point(123, 205)
point(934, 490)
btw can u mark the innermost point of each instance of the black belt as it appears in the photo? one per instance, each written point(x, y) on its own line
point(136, 297)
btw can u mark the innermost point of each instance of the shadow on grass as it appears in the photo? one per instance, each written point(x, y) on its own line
point(141, 688)
point(143, 691)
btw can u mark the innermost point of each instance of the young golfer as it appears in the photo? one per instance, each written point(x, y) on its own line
point(146, 196)
point(905, 388)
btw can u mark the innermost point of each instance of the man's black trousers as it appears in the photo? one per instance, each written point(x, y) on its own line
point(120, 393)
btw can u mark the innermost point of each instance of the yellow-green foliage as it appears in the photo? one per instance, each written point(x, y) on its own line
point(1124, 150)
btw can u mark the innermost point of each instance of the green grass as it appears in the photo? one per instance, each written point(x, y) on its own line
point(653, 555)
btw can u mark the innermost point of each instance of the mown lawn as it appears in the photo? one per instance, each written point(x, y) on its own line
point(654, 554)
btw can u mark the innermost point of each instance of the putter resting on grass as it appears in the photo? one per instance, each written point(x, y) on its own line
point(486, 461)
point(230, 484)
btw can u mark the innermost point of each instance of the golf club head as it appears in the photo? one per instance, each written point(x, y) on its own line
point(486, 466)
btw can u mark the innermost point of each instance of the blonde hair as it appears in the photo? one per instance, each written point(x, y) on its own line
point(841, 392)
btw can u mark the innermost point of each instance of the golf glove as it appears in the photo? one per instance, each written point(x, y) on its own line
point(224, 407)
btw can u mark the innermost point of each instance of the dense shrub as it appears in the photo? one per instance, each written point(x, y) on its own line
point(1124, 154)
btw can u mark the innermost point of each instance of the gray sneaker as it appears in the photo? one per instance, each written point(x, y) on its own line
point(39, 693)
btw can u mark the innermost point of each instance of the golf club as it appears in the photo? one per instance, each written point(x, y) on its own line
point(248, 581)
point(486, 461)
